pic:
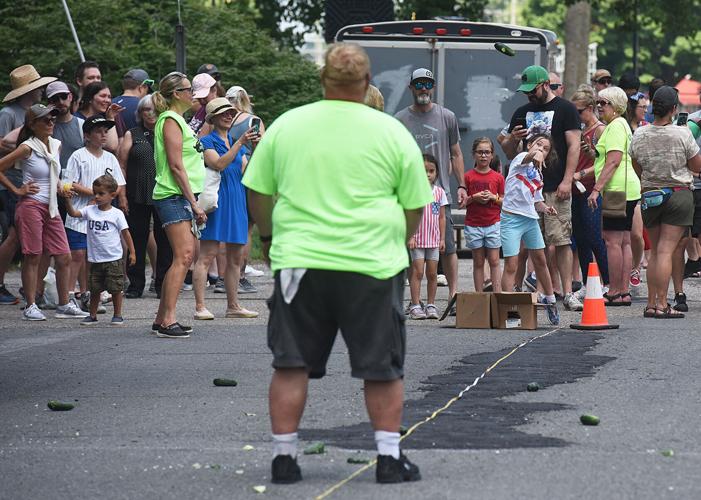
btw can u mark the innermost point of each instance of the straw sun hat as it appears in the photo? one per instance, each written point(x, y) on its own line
point(25, 79)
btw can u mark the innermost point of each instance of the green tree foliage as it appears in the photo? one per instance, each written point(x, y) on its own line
point(669, 34)
point(473, 10)
point(128, 33)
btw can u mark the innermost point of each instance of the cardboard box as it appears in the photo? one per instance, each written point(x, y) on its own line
point(514, 310)
point(473, 310)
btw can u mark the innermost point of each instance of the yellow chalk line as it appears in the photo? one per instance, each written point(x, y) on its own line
point(433, 415)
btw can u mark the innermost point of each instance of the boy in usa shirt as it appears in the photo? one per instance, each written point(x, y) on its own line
point(425, 246)
point(106, 226)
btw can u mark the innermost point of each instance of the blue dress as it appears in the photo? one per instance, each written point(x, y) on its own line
point(229, 222)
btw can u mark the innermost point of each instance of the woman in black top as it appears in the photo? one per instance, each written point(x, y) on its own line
point(139, 168)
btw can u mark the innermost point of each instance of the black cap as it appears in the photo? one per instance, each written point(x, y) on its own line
point(666, 96)
point(96, 121)
point(210, 69)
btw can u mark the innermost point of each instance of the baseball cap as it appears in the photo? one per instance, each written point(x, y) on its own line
point(201, 85)
point(600, 73)
point(422, 73)
point(137, 74)
point(96, 121)
point(209, 69)
point(531, 77)
point(628, 80)
point(666, 96)
point(56, 88)
point(39, 111)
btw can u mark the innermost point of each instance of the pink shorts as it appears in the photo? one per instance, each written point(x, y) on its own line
point(38, 233)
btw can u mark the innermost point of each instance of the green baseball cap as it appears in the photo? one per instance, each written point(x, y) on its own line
point(695, 129)
point(531, 77)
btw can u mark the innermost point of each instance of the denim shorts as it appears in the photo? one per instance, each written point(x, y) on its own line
point(483, 237)
point(77, 240)
point(173, 209)
point(514, 228)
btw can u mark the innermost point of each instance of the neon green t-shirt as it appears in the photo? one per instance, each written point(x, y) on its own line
point(343, 174)
point(193, 160)
point(616, 137)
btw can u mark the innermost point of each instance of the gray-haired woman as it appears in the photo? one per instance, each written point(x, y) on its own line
point(139, 169)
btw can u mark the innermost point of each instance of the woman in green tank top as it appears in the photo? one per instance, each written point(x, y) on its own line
point(179, 178)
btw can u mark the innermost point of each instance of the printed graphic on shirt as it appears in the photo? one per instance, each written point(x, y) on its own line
point(428, 235)
point(531, 179)
point(539, 122)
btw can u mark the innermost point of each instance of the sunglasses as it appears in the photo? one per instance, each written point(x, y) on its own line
point(605, 80)
point(602, 103)
point(555, 86)
point(580, 111)
point(184, 89)
point(47, 119)
point(58, 97)
point(148, 82)
point(423, 85)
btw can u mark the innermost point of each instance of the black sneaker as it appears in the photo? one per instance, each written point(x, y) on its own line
point(285, 470)
point(691, 267)
point(680, 302)
point(155, 327)
point(392, 470)
point(174, 331)
point(246, 286)
point(132, 294)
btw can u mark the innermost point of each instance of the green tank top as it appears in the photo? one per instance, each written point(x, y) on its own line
point(193, 159)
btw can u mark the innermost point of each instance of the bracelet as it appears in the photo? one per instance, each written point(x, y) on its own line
point(265, 239)
point(462, 187)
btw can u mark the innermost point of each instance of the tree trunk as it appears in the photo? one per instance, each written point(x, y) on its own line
point(577, 27)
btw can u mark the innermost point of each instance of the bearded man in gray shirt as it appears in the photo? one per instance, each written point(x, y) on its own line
point(435, 129)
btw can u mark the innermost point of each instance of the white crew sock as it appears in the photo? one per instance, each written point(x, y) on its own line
point(551, 299)
point(387, 443)
point(285, 444)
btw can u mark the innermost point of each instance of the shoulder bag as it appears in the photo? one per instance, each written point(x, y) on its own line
point(613, 203)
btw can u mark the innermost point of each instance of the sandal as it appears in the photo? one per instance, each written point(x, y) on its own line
point(669, 313)
point(623, 296)
point(610, 300)
point(650, 312)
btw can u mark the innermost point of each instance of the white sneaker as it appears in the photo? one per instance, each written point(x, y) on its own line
point(70, 310)
point(572, 303)
point(442, 280)
point(581, 293)
point(416, 312)
point(33, 313)
point(252, 271)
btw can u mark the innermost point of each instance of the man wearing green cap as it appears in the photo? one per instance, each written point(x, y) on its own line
point(547, 113)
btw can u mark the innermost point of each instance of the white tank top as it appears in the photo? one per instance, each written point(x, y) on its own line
point(36, 169)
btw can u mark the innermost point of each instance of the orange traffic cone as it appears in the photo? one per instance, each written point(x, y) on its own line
point(594, 315)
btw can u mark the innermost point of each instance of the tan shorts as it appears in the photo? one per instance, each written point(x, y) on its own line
point(557, 229)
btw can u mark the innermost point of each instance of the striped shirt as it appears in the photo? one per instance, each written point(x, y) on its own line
point(428, 235)
point(83, 167)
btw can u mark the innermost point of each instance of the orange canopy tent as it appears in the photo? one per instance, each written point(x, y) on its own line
point(689, 92)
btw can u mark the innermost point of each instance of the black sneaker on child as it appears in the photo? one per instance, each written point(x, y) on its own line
point(155, 327)
point(680, 302)
point(392, 470)
point(174, 331)
point(285, 470)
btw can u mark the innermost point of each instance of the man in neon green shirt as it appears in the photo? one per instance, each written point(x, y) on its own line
point(336, 188)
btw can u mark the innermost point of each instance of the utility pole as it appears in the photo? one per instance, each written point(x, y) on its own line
point(180, 62)
point(636, 38)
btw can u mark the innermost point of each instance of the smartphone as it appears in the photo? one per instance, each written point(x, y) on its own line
point(682, 119)
point(255, 124)
point(520, 121)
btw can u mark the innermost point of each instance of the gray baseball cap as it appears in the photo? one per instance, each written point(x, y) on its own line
point(137, 74)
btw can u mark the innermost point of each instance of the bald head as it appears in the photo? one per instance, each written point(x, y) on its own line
point(346, 70)
point(555, 80)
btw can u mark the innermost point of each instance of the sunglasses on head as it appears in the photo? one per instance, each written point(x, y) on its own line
point(605, 80)
point(423, 85)
point(148, 82)
point(555, 86)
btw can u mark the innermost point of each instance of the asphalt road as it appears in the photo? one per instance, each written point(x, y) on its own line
point(149, 423)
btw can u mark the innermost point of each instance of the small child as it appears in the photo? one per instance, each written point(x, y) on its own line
point(519, 217)
point(485, 192)
point(105, 223)
point(425, 246)
point(84, 166)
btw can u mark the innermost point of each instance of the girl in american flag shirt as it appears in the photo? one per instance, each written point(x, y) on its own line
point(523, 200)
point(425, 245)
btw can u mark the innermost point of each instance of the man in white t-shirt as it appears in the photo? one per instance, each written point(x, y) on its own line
point(84, 166)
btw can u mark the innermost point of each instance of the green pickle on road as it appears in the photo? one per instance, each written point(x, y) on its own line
point(589, 419)
point(59, 406)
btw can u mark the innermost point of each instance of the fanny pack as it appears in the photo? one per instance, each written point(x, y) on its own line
point(656, 197)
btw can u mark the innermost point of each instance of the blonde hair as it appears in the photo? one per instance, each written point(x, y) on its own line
point(240, 99)
point(374, 99)
point(163, 97)
point(617, 97)
point(345, 65)
point(585, 96)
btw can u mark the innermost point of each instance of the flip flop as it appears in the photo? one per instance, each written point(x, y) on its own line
point(610, 300)
point(626, 294)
